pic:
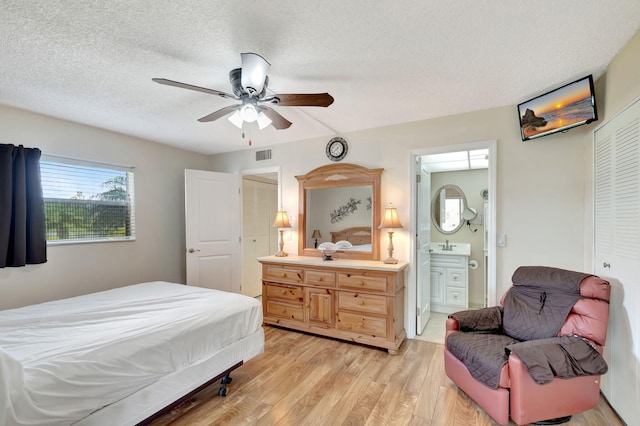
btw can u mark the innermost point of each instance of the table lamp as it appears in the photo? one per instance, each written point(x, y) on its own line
point(316, 234)
point(390, 222)
point(281, 222)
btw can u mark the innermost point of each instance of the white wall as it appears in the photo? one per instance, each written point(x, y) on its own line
point(157, 253)
point(540, 183)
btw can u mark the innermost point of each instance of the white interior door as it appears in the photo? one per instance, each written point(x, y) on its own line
point(423, 225)
point(212, 219)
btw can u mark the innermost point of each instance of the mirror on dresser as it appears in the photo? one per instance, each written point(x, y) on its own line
point(340, 202)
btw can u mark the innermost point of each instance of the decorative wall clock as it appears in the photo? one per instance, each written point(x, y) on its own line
point(337, 149)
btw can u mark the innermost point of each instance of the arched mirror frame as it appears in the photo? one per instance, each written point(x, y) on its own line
point(336, 176)
point(436, 198)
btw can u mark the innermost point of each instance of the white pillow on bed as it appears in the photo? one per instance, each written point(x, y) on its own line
point(343, 245)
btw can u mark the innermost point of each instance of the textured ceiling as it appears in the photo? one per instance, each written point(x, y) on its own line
point(385, 62)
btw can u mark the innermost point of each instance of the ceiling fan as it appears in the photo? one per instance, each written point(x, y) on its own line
point(249, 84)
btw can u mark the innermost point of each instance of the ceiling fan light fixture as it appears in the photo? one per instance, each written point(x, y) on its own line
point(254, 72)
point(263, 120)
point(248, 113)
point(236, 119)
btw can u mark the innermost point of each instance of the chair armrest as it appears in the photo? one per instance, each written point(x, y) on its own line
point(485, 319)
point(452, 324)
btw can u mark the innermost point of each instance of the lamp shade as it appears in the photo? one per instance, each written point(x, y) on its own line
point(263, 120)
point(236, 119)
point(390, 219)
point(282, 220)
point(316, 234)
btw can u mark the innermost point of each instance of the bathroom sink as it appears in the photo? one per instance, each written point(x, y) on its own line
point(456, 249)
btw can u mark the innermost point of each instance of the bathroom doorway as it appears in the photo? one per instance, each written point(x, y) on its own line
point(471, 170)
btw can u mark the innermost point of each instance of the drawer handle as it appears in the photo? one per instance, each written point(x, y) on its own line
point(361, 282)
point(361, 302)
point(284, 310)
point(318, 278)
point(284, 291)
point(283, 275)
point(360, 324)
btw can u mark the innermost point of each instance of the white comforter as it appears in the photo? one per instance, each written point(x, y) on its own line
point(62, 360)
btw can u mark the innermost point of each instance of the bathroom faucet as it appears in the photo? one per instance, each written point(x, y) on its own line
point(446, 246)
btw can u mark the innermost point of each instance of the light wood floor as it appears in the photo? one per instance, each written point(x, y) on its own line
point(307, 380)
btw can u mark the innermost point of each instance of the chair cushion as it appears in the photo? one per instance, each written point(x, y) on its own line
point(482, 353)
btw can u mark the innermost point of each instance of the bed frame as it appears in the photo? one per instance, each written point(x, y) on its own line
point(357, 236)
point(224, 378)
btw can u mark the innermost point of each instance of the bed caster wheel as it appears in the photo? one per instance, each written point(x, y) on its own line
point(223, 385)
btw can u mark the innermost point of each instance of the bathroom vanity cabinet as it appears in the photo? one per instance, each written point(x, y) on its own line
point(449, 282)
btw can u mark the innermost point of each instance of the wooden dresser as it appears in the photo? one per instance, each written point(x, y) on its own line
point(357, 300)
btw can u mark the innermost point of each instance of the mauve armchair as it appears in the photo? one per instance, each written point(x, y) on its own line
point(508, 389)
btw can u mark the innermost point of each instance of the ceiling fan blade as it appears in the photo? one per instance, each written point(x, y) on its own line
point(191, 87)
point(219, 113)
point(309, 99)
point(254, 72)
point(278, 121)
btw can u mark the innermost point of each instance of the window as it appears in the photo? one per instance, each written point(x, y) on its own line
point(85, 202)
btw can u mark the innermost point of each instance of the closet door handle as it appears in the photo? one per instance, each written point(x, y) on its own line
point(606, 265)
point(192, 250)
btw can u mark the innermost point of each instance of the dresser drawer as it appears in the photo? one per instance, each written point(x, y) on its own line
point(326, 279)
point(364, 324)
point(363, 283)
point(289, 294)
point(284, 310)
point(278, 273)
point(362, 302)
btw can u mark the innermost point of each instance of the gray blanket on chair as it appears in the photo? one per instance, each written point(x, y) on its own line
point(539, 302)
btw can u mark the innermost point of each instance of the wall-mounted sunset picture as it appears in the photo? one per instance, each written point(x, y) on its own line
point(558, 110)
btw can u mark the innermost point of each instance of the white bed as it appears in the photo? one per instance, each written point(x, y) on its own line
point(117, 357)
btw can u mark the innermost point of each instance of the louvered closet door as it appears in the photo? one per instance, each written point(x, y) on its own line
point(617, 252)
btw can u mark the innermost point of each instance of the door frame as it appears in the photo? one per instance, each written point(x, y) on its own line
point(492, 146)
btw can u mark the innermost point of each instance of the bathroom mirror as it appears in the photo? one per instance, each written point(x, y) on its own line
point(447, 208)
point(342, 203)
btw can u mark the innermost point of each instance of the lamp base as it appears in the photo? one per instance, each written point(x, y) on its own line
point(390, 260)
point(280, 253)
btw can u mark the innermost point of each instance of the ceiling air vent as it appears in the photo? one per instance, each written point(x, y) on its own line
point(263, 155)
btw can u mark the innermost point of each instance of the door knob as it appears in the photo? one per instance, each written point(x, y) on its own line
point(192, 250)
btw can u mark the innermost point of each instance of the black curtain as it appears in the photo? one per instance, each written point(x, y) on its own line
point(23, 237)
